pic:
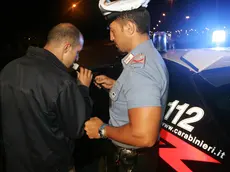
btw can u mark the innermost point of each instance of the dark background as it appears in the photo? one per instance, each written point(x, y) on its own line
point(25, 23)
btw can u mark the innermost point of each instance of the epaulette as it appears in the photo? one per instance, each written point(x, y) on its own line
point(138, 61)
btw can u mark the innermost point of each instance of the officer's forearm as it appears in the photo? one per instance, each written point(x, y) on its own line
point(124, 134)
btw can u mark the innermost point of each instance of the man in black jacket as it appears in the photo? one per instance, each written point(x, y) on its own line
point(43, 109)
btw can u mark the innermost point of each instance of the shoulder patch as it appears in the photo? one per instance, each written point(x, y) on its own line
point(138, 60)
point(128, 58)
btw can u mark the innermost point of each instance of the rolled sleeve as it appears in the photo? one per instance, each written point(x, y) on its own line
point(142, 90)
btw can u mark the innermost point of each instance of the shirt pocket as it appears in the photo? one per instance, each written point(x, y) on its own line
point(115, 91)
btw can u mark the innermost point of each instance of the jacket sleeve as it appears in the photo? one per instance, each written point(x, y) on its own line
point(88, 101)
point(73, 110)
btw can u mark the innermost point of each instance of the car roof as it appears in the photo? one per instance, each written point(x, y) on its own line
point(199, 60)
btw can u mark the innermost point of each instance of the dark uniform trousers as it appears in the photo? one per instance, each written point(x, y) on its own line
point(118, 159)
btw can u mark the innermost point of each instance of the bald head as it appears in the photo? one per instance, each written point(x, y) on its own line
point(65, 41)
point(65, 32)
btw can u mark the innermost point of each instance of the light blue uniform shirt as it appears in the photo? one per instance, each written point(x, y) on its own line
point(142, 83)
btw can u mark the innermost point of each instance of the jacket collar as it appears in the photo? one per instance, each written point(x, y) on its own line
point(45, 54)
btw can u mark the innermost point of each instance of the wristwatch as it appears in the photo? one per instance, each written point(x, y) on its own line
point(102, 132)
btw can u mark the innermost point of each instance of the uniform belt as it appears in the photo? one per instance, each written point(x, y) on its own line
point(138, 150)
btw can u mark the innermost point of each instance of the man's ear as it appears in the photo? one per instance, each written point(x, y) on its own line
point(67, 47)
point(130, 28)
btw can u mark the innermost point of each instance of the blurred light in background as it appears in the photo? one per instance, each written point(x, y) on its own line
point(219, 36)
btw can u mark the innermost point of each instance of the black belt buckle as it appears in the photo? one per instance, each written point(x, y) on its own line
point(127, 158)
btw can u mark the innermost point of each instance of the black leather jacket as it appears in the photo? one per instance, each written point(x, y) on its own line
point(43, 110)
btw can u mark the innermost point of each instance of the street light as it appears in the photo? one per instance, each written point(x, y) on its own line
point(74, 5)
point(159, 21)
point(218, 36)
point(164, 14)
point(187, 17)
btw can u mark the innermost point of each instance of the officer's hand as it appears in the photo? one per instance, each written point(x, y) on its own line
point(85, 76)
point(92, 126)
point(105, 81)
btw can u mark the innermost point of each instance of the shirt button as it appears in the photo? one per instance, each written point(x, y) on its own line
point(113, 94)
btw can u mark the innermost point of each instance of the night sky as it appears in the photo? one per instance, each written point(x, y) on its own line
point(25, 23)
point(22, 18)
